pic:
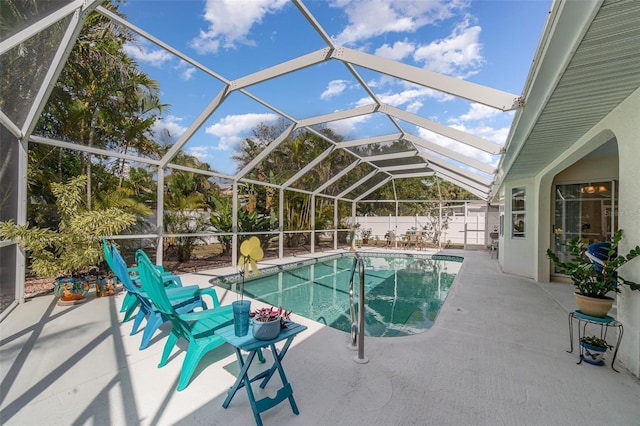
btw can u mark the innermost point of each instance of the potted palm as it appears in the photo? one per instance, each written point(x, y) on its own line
point(593, 278)
point(69, 252)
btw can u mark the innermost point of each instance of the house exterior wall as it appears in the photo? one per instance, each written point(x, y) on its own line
point(589, 169)
point(623, 125)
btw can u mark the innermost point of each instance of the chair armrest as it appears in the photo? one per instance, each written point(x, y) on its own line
point(176, 293)
point(183, 292)
point(134, 270)
point(223, 313)
point(211, 293)
point(167, 279)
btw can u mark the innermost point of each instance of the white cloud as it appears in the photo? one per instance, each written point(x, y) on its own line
point(414, 107)
point(168, 128)
point(497, 135)
point(348, 125)
point(411, 95)
point(230, 22)
point(186, 71)
point(334, 88)
point(144, 52)
point(458, 147)
point(459, 54)
point(397, 52)
point(202, 153)
point(370, 18)
point(480, 112)
point(232, 129)
point(187, 74)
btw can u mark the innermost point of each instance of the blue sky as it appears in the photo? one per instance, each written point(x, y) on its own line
point(486, 42)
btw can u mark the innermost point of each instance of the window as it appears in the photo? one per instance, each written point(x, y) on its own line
point(518, 215)
point(587, 210)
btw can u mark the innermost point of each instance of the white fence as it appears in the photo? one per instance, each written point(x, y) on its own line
point(467, 225)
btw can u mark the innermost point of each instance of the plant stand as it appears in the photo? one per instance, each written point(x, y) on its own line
point(604, 323)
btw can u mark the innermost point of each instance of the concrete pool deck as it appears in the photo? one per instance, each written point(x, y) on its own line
point(496, 355)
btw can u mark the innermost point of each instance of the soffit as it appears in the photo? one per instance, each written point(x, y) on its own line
point(602, 73)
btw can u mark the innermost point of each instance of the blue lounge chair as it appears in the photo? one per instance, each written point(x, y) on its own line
point(130, 302)
point(197, 328)
point(184, 299)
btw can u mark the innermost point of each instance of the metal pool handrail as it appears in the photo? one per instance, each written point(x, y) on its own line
point(357, 327)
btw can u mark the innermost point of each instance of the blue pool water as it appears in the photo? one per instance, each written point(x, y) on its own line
point(402, 294)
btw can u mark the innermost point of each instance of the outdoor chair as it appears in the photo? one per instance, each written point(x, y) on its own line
point(391, 238)
point(184, 299)
point(130, 302)
point(197, 328)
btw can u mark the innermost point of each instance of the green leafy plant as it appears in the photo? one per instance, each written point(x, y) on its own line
point(268, 314)
point(365, 233)
point(589, 279)
point(596, 342)
point(222, 220)
point(75, 246)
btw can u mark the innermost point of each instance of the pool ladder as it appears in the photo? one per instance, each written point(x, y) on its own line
point(357, 325)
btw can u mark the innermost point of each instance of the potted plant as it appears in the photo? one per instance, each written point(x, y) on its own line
point(267, 322)
point(365, 234)
point(594, 349)
point(69, 251)
point(594, 279)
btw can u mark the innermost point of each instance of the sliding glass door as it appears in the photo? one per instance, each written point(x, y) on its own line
point(586, 210)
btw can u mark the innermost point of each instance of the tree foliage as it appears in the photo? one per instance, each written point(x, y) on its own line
point(74, 245)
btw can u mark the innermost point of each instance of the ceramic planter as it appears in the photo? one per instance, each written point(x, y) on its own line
point(70, 289)
point(266, 330)
point(593, 354)
point(106, 286)
point(593, 306)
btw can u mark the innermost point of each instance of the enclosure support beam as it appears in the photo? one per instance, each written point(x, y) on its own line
point(281, 224)
point(160, 217)
point(234, 224)
point(313, 224)
point(335, 224)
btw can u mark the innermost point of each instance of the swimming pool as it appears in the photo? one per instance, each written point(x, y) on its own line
point(403, 293)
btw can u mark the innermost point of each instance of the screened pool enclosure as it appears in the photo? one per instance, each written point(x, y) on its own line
point(331, 180)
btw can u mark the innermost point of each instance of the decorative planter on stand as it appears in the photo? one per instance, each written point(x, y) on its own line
point(593, 354)
point(594, 306)
point(266, 330)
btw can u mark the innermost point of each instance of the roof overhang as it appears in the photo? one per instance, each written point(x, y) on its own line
point(586, 64)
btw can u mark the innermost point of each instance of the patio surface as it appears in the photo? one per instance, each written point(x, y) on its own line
point(496, 355)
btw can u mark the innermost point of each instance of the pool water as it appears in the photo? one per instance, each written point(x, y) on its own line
point(402, 294)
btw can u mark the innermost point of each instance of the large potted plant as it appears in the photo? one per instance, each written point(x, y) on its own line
point(595, 278)
point(70, 251)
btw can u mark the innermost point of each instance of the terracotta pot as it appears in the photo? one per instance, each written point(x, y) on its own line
point(594, 306)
